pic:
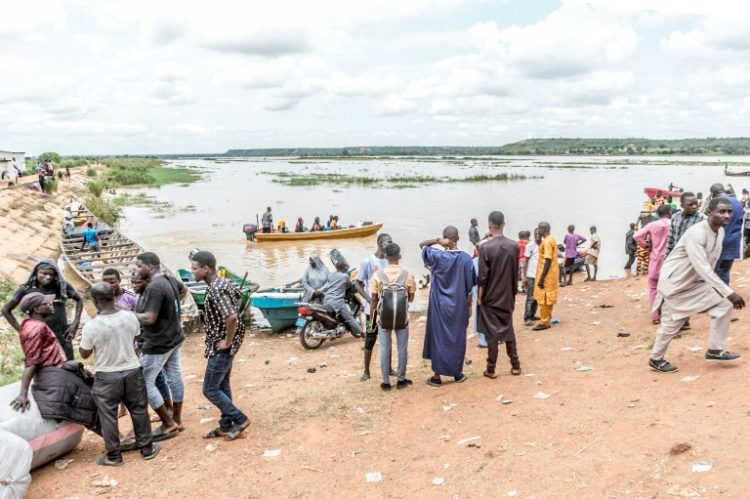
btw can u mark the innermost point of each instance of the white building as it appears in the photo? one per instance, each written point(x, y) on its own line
point(11, 163)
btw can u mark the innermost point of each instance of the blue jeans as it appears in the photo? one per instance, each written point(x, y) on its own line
point(723, 268)
point(168, 362)
point(162, 386)
point(217, 389)
point(402, 342)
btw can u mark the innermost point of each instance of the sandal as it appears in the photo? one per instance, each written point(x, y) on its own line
point(460, 378)
point(491, 375)
point(155, 448)
point(215, 433)
point(540, 327)
point(105, 461)
point(515, 371)
point(237, 431)
point(159, 434)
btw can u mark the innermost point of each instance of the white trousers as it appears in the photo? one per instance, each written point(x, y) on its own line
point(721, 317)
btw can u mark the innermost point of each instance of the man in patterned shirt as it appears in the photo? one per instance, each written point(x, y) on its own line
point(683, 220)
point(224, 335)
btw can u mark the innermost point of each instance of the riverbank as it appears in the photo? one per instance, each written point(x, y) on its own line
point(617, 429)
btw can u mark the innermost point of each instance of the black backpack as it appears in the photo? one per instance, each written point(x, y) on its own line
point(393, 302)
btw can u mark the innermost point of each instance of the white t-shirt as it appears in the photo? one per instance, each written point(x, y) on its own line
point(111, 339)
point(532, 258)
point(369, 267)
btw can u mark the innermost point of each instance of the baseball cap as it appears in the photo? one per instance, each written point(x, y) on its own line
point(33, 300)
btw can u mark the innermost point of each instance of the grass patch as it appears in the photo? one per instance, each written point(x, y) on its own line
point(146, 172)
point(104, 209)
point(11, 354)
point(401, 182)
point(140, 199)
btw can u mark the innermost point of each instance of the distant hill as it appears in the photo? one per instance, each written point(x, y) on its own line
point(561, 147)
point(364, 151)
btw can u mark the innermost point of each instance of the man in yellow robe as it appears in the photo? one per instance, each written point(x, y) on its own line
point(547, 277)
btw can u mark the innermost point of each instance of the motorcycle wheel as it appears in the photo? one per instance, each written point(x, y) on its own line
point(305, 337)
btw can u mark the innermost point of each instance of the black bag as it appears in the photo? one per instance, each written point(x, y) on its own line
point(393, 302)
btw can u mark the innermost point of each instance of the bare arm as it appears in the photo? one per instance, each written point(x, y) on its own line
point(146, 318)
point(21, 403)
point(231, 322)
point(8, 308)
point(429, 242)
point(85, 353)
point(73, 327)
point(543, 275)
point(374, 309)
point(360, 288)
point(480, 294)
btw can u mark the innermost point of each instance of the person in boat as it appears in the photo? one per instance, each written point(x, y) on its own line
point(449, 309)
point(316, 227)
point(281, 228)
point(300, 227)
point(370, 266)
point(118, 379)
point(68, 223)
point(329, 224)
point(59, 389)
point(46, 278)
point(671, 203)
point(315, 277)
point(266, 221)
point(224, 335)
point(702, 203)
point(745, 198)
point(124, 299)
point(334, 296)
point(659, 199)
point(90, 238)
point(161, 341)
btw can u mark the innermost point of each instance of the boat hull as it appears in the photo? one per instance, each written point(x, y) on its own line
point(278, 308)
point(353, 232)
point(198, 289)
point(651, 192)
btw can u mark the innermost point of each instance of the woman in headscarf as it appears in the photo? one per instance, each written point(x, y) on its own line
point(316, 227)
point(300, 227)
point(315, 277)
point(47, 279)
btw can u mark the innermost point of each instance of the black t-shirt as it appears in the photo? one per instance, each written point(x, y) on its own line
point(57, 322)
point(166, 333)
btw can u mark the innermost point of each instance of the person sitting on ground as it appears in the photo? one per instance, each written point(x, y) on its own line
point(118, 380)
point(124, 299)
point(300, 227)
point(91, 239)
point(316, 227)
point(59, 391)
point(315, 277)
point(334, 297)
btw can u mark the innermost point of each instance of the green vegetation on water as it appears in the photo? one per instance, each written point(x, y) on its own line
point(635, 146)
point(309, 179)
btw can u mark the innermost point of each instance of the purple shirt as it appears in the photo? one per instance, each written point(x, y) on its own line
point(571, 242)
point(126, 301)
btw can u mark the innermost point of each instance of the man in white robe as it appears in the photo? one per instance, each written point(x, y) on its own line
point(688, 285)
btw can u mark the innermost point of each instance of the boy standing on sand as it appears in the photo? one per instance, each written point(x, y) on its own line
point(592, 254)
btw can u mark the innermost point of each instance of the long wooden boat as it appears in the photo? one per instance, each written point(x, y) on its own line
point(651, 192)
point(352, 232)
point(116, 251)
point(736, 174)
point(198, 289)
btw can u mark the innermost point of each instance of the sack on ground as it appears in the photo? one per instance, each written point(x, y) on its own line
point(15, 466)
point(393, 302)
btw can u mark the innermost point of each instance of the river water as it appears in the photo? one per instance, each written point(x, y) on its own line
point(584, 191)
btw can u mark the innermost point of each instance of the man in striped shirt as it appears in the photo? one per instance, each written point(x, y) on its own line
point(683, 220)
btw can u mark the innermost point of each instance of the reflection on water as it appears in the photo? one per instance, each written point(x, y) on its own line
point(210, 214)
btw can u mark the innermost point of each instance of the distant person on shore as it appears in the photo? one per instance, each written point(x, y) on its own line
point(571, 242)
point(630, 250)
point(449, 306)
point(392, 290)
point(46, 278)
point(732, 244)
point(316, 227)
point(314, 278)
point(370, 266)
point(41, 176)
point(523, 240)
point(529, 270)
point(688, 285)
point(745, 198)
point(474, 237)
point(592, 254)
point(91, 239)
point(497, 284)
point(124, 299)
point(300, 226)
point(224, 335)
point(161, 340)
point(118, 379)
point(547, 275)
point(266, 221)
point(658, 234)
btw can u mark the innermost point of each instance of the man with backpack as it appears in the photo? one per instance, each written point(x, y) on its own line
point(392, 289)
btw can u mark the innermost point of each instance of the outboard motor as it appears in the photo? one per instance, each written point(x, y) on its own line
point(250, 230)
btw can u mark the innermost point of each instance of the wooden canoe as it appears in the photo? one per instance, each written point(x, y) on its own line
point(352, 232)
point(198, 289)
point(651, 192)
point(116, 251)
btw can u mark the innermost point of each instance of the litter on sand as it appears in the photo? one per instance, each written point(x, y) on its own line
point(690, 378)
point(211, 448)
point(541, 395)
point(512, 493)
point(623, 335)
point(206, 420)
point(694, 348)
point(272, 453)
point(438, 480)
point(448, 407)
point(585, 368)
point(467, 440)
point(104, 482)
point(567, 349)
point(374, 477)
point(703, 466)
point(61, 464)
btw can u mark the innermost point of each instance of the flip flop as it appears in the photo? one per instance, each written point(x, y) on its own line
point(155, 450)
point(237, 431)
point(105, 461)
point(215, 433)
point(159, 434)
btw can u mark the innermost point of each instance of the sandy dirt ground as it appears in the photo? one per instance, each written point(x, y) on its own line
point(610, 431)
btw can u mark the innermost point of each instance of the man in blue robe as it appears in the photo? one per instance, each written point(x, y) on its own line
point(449, 309)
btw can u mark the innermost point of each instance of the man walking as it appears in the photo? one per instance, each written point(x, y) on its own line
point(547, 275)
point(160, 341)
point(224, 334)
point(571, 242)
point(532, 260)
point(392, 290)
point(497, 284)
point(370, 266)
point(732, 243)
point(592, 254)
point(449, 306)
point(658, 233)
point(266, 221)
point(119, 379)
point(688, 285)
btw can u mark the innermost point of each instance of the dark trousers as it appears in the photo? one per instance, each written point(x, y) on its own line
point(266, 230)
point(217, 390)
point(723, 268)
point(127, 387)
point(66, 345)
point(492, 351)
point(631, 261)
point(531, 304)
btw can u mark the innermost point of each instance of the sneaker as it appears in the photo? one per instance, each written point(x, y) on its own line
point(716, 355)
point(435, 381)
point(385, 386)
point(661, 366)
point(460, 378)
point(403, 383)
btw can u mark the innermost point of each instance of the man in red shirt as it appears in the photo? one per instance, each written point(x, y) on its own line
point(39, 344)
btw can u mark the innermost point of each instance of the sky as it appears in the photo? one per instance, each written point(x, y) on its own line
point(138, 76)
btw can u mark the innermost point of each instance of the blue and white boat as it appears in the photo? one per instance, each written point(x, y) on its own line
point(279, 305)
